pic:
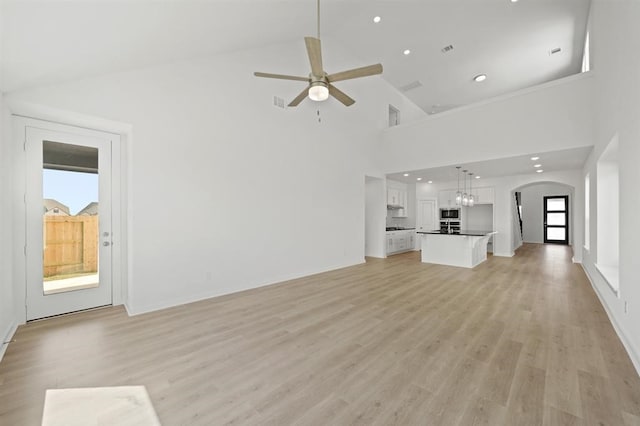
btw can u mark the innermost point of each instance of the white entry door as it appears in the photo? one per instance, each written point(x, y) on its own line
point(427, 219)
point(68, 222)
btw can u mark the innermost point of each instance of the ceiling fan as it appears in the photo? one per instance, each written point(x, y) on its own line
point(320, 84)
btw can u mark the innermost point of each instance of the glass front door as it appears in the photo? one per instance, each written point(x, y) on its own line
point(556, 219)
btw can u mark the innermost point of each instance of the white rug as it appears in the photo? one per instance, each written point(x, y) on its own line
point(120, 405)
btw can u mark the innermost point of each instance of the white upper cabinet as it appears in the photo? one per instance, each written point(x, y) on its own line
point(447, 198)
point(484, 195)
point(398, 199)
point(393, 196)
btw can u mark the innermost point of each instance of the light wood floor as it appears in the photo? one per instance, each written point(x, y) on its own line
point(519, 341)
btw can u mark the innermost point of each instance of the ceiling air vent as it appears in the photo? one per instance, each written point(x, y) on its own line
point(411, 86)
point(278, 101)
point(447, 49)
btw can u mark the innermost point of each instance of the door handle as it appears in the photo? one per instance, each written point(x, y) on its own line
point(106, 243)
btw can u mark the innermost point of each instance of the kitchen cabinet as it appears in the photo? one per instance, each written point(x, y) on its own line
point(447, 198)
point(398, 199)
point(483, 195)
point(400, 241)
point(402, 211)
point(393, 196)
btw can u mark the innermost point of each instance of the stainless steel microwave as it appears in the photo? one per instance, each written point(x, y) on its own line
point(450, 214)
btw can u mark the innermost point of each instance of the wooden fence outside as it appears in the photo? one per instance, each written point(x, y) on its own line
point(70, 245)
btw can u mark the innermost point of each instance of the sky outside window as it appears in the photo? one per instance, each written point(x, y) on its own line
point(73, 189)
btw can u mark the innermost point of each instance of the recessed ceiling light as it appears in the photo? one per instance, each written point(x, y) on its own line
point(480, 77)
point(377, 19)
point(535, 158)
point(514, 1)
point(406, 52)
point(477, 177)
point(419, 179)
point(430, 181)
point(537, 165)
point(406, 174)
point(539, 171)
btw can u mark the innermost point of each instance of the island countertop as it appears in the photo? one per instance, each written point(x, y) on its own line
point(463, 232)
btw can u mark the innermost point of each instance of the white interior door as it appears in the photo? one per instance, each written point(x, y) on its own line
point(426, 219)
point(68, 222)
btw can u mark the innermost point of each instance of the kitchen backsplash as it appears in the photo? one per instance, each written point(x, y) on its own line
point(399, 222)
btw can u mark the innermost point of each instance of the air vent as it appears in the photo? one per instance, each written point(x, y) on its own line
point(411, 86)
point(278, 101)
point(447, 49)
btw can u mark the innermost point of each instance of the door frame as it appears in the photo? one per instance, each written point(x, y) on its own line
point(118, 216)
point(544, 219)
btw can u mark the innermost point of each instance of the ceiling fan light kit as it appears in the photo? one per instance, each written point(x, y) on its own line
point(318, 91)
point(320, 85)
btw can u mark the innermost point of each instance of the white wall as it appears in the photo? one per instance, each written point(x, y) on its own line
point(532, 210)
point(226, 191)
point(617, 108)
point(503, 212)
point(8, 319)
point(480, 217)
point(375, 215)
point(549, 117)
point(7, 312)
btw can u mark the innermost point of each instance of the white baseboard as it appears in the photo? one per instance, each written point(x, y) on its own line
point(633, 355)
point(133, 310)
point(6, 337)
point(503, 254)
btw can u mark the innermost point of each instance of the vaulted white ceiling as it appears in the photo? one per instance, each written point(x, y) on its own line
point(51, 41)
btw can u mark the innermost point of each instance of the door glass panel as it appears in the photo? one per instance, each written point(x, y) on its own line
point(70, 217)
point(558, 234)
point(556, 219)
point(556, 204)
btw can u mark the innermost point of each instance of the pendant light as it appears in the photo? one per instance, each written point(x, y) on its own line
point(472, 200)
point(458, 193)
point(465, 196)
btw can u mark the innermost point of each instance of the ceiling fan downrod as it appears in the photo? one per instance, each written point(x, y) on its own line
point(318, 2)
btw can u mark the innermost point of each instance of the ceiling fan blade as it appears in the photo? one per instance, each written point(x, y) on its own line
point(340, 95)
point(355, 73)
point(299, 98)
point(281, 76)
point(315, 55)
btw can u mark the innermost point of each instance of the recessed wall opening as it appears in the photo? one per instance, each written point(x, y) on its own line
point(586, 60)
point(394, 116)
point(587, 207)
point(608, 217)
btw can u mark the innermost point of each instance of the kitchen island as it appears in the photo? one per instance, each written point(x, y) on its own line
point(465, 248)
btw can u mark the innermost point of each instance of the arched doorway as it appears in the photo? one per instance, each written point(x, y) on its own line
point(543, 212)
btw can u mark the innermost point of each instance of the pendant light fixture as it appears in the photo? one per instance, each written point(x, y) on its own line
point(465, 196)
point(472, 199)
point(458, 193)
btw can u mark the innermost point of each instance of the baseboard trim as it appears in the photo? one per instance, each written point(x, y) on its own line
point(6, 338)
point(133, 310)
point(504, 254)
point(635, 358)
